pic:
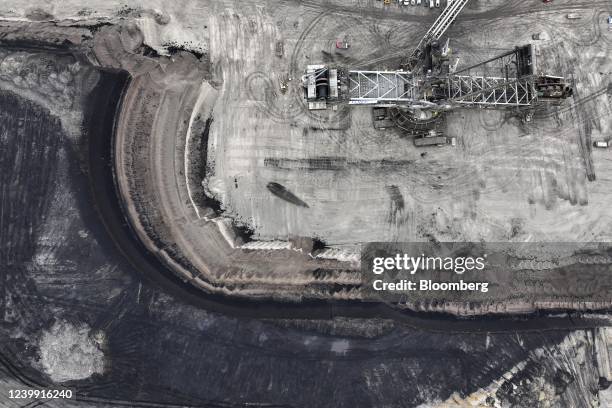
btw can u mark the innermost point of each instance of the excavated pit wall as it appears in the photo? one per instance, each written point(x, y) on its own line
point(150, 163)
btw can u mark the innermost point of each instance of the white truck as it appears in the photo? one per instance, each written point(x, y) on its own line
point(602, 144)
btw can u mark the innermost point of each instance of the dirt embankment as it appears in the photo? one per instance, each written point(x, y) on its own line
point(167, 110)
point(169, 107)
point(201, 246)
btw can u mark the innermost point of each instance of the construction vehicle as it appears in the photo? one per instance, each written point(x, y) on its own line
point(433, 139)
point(603, 144)
point(430, 80)
point(283, 80)
point(342, 44)
point(279, 50)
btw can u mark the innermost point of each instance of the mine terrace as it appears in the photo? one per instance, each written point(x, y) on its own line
point(256, 158)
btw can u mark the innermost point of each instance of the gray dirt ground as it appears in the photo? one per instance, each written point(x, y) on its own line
point(500, 175)
point(533, 177)
point(504, 180)
point(59, 265)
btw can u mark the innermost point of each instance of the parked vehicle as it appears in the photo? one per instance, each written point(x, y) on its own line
point(437, 3)
point(342, 44)
point(430, 141)
point(431, 3)
point(542, 36)
point(602, 144)
point(279, 49)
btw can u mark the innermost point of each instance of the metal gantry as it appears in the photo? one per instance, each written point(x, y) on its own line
point(370, 87)
point(491, 91)
point(439, 27)
point(518, 62)
point(505, 80)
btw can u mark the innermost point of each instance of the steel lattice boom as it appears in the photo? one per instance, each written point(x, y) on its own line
point(439, 27)
point(490, 91)
point(370, 87)
point(507, 80)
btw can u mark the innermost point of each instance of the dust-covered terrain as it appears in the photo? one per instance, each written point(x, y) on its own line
point(76, 314)
point(348, 183)
point(505, 181)
point(241, 190)
point(113, 114)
